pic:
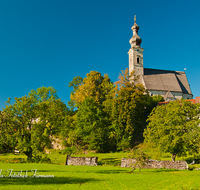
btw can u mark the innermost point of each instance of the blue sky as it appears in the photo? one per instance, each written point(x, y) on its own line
point(47, 43)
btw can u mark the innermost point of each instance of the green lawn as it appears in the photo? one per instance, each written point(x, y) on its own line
point(107, 175)
point(97, 177)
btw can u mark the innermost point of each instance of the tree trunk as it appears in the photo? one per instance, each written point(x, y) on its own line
point(173, 157)
point(29, 155)
point(66, 163)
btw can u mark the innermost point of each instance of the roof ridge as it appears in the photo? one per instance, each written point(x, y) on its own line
point(165, 70)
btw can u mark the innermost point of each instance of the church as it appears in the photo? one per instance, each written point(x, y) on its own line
point(171, 85)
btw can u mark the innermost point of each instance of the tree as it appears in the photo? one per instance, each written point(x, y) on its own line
point(75, 83)
point(94, 85)
point(174, 128)
point(32, 119)
point(91, 124)
point(141, 159)
point(128, 110)
point(7, 131)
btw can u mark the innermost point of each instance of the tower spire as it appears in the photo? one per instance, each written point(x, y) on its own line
point(136, 53)
point(135, 41)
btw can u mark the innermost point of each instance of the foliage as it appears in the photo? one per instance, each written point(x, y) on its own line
point(7, 131)
point(70, 150)
point(191, 167)
point(90, 125)
point(174, 128)
point(67, 133)
point(93, 126)
point(94, 85)
point(75, 83)
point(40, 158)
point(30, 121)
point(156, 99)
point(151, 102)
point(129, 110)
point(107, 115)
point(141, 158)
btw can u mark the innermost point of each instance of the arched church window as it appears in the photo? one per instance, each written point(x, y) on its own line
point(138, 60)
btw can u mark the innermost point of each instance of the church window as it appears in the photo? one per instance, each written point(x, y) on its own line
point(138, 60)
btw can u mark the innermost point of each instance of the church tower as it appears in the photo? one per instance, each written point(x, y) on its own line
point(136, 53)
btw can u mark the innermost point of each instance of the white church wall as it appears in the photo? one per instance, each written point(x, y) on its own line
point(177, 95)
point(187, 96)
point(154, 92)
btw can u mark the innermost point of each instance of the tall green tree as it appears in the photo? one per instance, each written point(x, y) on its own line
point(174, 128)
point(33, 119)
point(129, 110)
point(93, 126)
point(7, 131)
point(92, 121)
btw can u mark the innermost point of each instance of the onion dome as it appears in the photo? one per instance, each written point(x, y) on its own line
point(135, 41)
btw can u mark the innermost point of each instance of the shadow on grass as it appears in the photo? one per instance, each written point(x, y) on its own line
point(111, 171)
point(110, 161)
point(165, 170)
point(41, 181)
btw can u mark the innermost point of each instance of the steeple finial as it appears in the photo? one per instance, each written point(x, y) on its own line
point(135, 41)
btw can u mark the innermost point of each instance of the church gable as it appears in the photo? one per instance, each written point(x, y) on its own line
point(169, 96)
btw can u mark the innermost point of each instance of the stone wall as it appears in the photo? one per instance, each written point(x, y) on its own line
point(90, 161)
point(180, 165)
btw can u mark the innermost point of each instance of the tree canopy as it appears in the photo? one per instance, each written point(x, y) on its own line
point(174, 128)
point(91, 122)
point(129, 110)
point(94, 85)
point(28, 123)
point(109, 116)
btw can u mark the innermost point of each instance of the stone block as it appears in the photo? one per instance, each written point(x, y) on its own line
point(89, 161)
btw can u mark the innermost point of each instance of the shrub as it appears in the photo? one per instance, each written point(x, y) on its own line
point(70, 150)
point(41, 158)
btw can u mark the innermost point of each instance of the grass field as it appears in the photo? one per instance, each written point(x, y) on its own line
point(97, 177)
point(107, 175)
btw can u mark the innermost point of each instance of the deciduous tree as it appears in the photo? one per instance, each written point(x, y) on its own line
point(174, 128)
point(94, 85)
point(31, 119)
point(75, 83)
point(93, 126)
point(92, 119)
